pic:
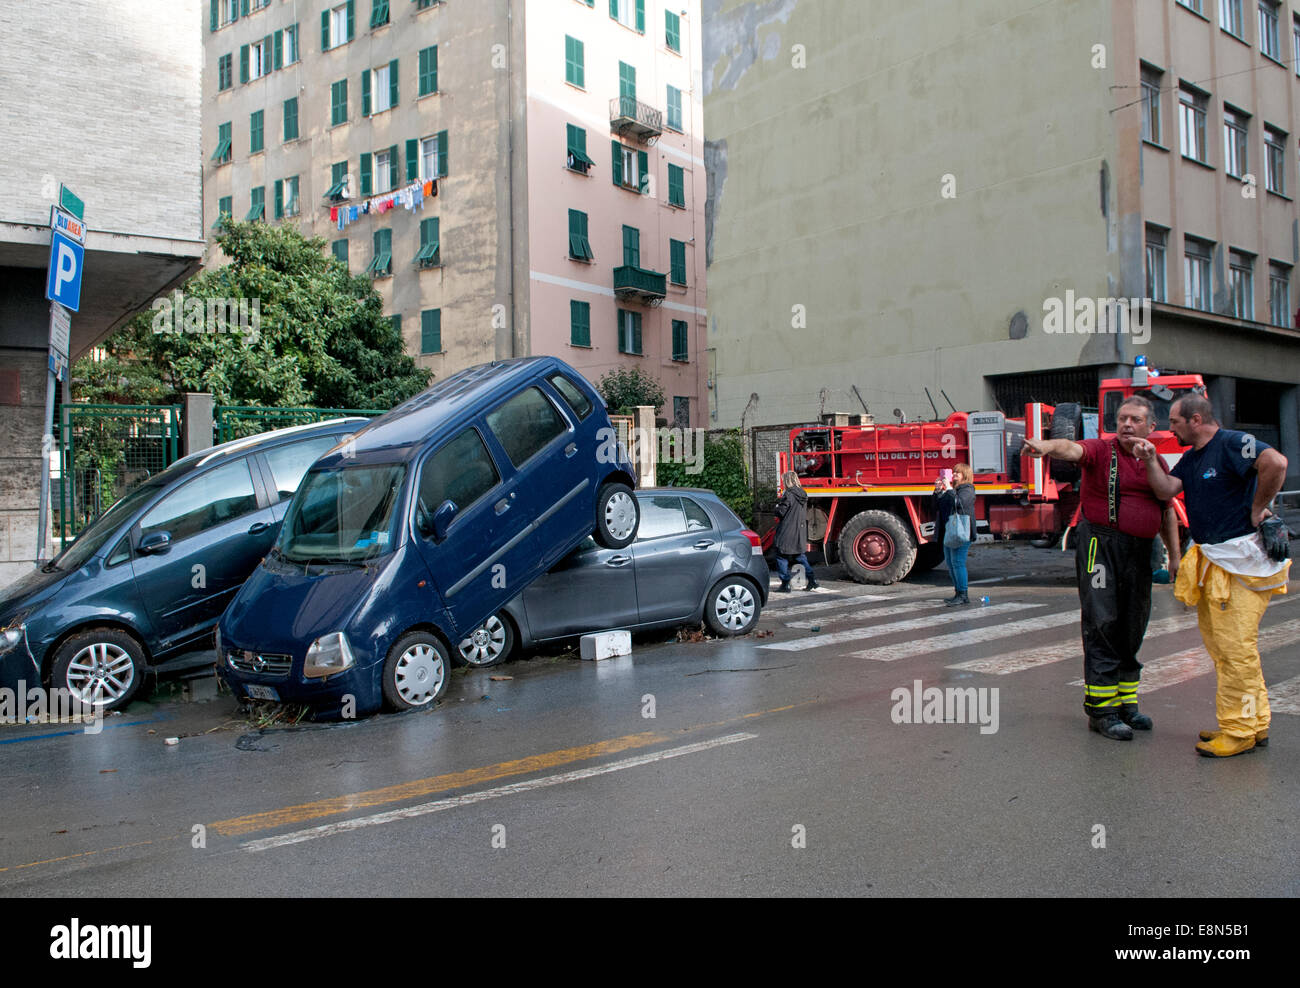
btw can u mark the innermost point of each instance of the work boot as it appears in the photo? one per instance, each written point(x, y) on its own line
point(1225, 746)
point(812, 584)
point(1129, 714)
point(784, 587)
point(1261, 739)
point(1110, 726)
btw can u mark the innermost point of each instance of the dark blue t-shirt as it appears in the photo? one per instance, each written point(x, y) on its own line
point(1219, 481)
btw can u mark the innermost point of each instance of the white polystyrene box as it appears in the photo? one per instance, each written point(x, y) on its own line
point(606, 645)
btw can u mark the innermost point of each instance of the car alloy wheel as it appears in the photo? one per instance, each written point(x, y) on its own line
point(420, 674)
point(733, 608)
point(487, 644)
point(101, 674)
point(621, 515)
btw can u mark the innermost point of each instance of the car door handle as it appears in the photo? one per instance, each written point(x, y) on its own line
point(702, 544)
point(618, 561)
point(258, 528)
point(503, 505)
point(570, 449)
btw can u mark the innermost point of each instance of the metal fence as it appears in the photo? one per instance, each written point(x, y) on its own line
point(238, 421)
point(105, 451)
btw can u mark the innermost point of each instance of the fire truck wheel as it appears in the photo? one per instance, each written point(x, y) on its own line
point(1067, 423)
point(928, 556)
point(877, 547)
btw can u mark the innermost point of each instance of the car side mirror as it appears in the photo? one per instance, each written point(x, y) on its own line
point(442, 518)
point(155, 543)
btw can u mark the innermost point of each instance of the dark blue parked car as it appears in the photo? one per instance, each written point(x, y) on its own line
point(148, 579)
point(404, 540)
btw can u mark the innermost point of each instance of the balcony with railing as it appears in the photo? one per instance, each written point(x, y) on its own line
point(629, 116)
point(631, 282)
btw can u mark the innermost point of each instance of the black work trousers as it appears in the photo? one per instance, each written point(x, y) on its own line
point(1114, 572)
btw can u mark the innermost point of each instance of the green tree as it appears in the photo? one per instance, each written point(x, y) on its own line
point(627, 387)
point(321, 337)
point(723, 473)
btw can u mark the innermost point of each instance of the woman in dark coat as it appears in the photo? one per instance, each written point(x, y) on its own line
point(791, 540)
point(958, 495)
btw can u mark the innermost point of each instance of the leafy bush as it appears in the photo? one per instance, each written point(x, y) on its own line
point(627, 387)
point(723, 473)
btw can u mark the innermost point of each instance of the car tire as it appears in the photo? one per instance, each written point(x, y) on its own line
point(490, 644)
point(877, 547)
point(1067, 423)
point(416, 672)
point(101, 667)
point(618, 515)
point(732, 607)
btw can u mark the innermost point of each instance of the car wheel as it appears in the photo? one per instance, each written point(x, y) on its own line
point(100, 667)
point(617, 516)
point(416, 671)
point(733, 607)
point(877, 547)
point(488, 644)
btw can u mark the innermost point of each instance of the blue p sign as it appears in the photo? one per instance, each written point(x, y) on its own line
point(63, 283)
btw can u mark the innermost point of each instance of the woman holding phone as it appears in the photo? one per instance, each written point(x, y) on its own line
point(954, 493)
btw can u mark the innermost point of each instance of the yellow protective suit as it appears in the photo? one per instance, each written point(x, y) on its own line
point(1229, 606)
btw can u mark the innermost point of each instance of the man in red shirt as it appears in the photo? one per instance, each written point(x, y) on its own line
point(1120, 516)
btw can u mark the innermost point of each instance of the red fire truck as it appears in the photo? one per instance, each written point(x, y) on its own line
point(870, 487)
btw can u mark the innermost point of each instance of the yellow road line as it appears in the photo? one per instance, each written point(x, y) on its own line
point(83, 854)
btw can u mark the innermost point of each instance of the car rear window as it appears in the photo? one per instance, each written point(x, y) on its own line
point(525, 424)
point(697, 519)
point(572, 394)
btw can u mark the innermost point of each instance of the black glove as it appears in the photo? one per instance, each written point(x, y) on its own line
point(1273, 535)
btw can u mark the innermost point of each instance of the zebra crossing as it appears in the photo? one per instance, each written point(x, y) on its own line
point(1172, 651)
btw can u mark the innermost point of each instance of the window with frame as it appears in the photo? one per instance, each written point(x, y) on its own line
point(680, 347)
point(337, 24)
point(579, 323)
point(385, 170)
point(291, 118)
point(338, 190)
point(1196, 273)
point(1241, 284)
point(676, 186)
point(574, 72)
point(1151, 79)
point(257, 211)
point(631, 167)
point(629, 13)
point(1236, 131)
point(672, 31)
point(431, 331)
point(428, 75)
point(378, 13)
point(526, 424)
point(1279, 293)
point(576, 158)
point(1295, 43)
point(631, 247)
point(677, 261)
point(338, 102)
point(1191, 110)
point(1268, 40)
point(255, 131)
point(1275, 160)
point(222, 153)
point(629, 331)
point(225, 72)
point(1231, 18)
point(225, 209)
point(291, 196)
point(674, 108)
point(1157, 288)
point(339, 248)
point(1192, 5)
point(433, 156)
point(627, 89)
point(381, 264)
point(579, 245)
point(287, 52)
point(429, 254)
point(682, 415)
point(259, 59)
point(382, 83)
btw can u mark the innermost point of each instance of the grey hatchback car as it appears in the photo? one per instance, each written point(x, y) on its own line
point(692, 560)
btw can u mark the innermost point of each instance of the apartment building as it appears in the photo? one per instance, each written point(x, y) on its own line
point(456, 154)
point(103, 99)
point(901, 194)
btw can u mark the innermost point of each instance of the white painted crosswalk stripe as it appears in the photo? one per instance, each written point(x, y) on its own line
point(966, 638)
point(890, 627)
point(865, 615)
point(1284, 698)
point(776, 606)
point(1041, 655)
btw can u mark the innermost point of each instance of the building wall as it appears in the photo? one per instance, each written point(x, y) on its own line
point(554, 189)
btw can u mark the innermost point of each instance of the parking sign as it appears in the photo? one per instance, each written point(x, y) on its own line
point(63, 283)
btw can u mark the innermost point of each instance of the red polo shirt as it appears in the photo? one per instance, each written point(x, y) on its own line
point(1140, 510)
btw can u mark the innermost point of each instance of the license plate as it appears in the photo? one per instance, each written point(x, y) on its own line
point(262, 693)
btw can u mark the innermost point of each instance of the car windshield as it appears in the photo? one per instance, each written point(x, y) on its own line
point(343, 516)
point(102, 528)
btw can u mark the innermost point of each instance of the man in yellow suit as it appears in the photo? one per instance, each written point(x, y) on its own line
point(1229, 479)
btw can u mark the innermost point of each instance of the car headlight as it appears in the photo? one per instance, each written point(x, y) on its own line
point(10, 637)
point(328, 655)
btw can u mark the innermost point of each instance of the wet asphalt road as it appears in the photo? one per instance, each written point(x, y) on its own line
point(557, 782)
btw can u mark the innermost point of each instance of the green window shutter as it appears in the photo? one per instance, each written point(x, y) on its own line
point(243, 63)
point(640, 16)
point(412, 160)
point(392, 83)
point(674, 108)
point(431, 331)
point(643, 169)
point(429, 253)
point(627, 85)
point(255, 132)
point(613, 9)
point(579, 323)
point(339, 102)
point(277, 45)
point(294, 53)
point(291, 118)
point(212, 15)
point(340, 250)
point(616, 171)
point(677, 261)
point(680, 348)
point(258, 210)
point(365, 174)
point(442, 154)
point(672, 31)
point(574, 72)
point(631, 246)
point(324, 30)
point(579, 245)
point(243, 8)
point(365, 93)
point(676, 186)
point(394, 169)
point(291, 196)
point(395, 320)
point(636, 332)
point(352, 21)
point(279, 198)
